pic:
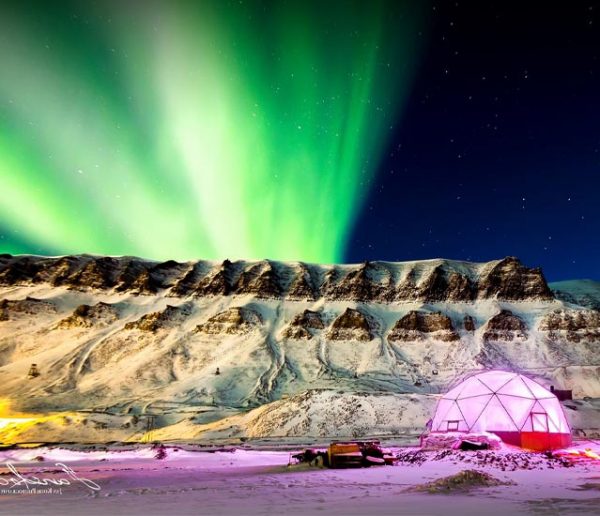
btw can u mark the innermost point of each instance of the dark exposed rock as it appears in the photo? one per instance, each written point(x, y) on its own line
point(443, 286)
point(302, 325)
point(303, 286)
point(510, 280)
point(260, 279)
point(217, 284)
point(88, 316)
point(165, 274)
point(98, 273)
point(191, 280)
point(170, 317)
point(11, 308)
point(135, 278)
point(146, 279)
point(352, 325)
point(369, 282)
point(144, 285)
point(20, 270)
point(407, 289)
point(233, 321)
point(572, 325)
point(330, 280)
point(420, 325)
point(469, 323)
point(58, 271)
point(505, 326)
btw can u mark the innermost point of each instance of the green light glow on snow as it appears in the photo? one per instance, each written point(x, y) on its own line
point(172, 130)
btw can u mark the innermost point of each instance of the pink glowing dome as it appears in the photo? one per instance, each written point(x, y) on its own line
point(512, 406)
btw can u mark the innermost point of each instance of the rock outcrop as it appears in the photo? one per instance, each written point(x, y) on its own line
point(302, 326)
point(380, 282)
point(509, 279)
point(21, 270)
point(234, 321)
point(30, 306)
point(88, 316)
point(505, 326)
point(572, 325)
point(98, 273)
point(146, 279)
point(189, 283)
point(217, 283)
point(369, 282)
point(442, 285)
point(136, 279)
point(170, 317)
point(406, 289)
point(260, 279)
point(303, 286)
point(415, 326)
point(352, 325)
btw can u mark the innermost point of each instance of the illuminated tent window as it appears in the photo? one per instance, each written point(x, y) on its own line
point(453, 426)
point(516, 408)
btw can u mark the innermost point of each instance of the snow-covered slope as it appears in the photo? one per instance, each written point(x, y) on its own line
point(584, 292)
point(129, 337)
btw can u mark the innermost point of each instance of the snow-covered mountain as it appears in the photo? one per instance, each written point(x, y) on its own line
point(584, 292)
point(128, 337)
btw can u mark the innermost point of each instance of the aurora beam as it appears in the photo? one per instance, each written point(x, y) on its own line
point(196, 129)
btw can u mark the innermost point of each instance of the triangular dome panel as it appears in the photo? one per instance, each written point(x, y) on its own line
point(473, 387)
point(442, 410)
point(537, 390)
point(494, 418)
point(471, 408)
point(517, 408)
point(516, 387)
point(494, 380)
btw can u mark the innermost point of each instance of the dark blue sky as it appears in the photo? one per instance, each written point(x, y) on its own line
point(498, 150)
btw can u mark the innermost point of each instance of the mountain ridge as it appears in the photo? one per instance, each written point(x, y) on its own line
point(427, 280)
point(124, 336)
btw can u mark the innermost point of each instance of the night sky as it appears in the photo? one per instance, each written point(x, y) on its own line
point(299, 130)
point(498, 151)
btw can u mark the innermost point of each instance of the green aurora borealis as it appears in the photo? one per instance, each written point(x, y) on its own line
point(196, 129)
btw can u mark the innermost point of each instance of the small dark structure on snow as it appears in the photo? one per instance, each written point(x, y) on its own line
point(562, 394)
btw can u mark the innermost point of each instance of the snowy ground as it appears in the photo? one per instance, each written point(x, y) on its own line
point(247, 481)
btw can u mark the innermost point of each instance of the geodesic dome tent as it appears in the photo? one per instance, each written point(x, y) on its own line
point(512, 406)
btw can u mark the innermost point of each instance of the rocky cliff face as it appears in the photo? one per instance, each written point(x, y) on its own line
point(352, 325)
point(416, 326)
point(510, 279)
point(19, 308)
point(382, 282)
point(505, 326)
point(124, 332)
point(234, 321)
point(170, 317)
point(88, 316)
point(304, 325)
point(572, 325)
